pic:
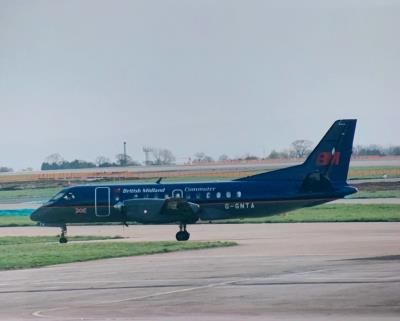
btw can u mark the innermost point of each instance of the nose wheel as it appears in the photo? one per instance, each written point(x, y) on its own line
point(182, 235)
point(63, 239)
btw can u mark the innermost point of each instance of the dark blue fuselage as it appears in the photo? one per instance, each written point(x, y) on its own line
point(217, 200)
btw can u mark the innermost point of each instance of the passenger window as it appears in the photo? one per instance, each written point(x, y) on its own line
point(198, 196)
point(208, 195)
point(136, 196)
point(188, 196)
point(228, 194)
point(166, 196)
point(239, 194)
point(218, 195)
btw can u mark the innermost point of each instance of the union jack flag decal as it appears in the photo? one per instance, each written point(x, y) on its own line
point(80, 210)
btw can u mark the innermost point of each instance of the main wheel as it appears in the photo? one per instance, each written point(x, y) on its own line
point(179, 236)
point(63, 240)
point(186, 235)
point(182, 236)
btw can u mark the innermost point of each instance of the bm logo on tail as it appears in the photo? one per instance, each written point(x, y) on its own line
point(327, 158)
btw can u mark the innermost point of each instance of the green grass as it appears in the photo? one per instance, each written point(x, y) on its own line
point(28, 194)
point(14, 240)
point(332, 213)
point(372, 168)
point(11, 221)
point(360, 172)
point(395, 193)
point(38, 253)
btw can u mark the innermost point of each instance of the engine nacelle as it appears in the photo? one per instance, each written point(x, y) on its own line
point(150, 210)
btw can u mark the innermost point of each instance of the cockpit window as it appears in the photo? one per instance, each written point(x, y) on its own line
point(57, 196)
point(69, 196)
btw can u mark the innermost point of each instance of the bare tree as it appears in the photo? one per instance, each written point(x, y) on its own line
point(394, 150)
point(249, 157)
point(101, 160)
point(201, 157)
point(162, 156)
point(4, 169)
point(370, 150)
point(124, 160)
point(223, 158)
point(55, 158)
point(301, 148)
point(274, 154)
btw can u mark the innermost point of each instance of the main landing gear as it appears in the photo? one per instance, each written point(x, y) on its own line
point(63, 239)
point(182, 235)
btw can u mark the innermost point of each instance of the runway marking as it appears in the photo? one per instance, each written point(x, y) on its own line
point(277, 278)
point(40, 313)
point(213, 285)
point(56, 289)
point(318, 282)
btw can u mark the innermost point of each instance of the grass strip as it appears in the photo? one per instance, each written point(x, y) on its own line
point(38, 254)
point(14, 240)
point(28, 194)
point(332, 213)
point(14, 221)
point(395, 193)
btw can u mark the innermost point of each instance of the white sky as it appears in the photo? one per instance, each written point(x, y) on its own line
point(235, 77)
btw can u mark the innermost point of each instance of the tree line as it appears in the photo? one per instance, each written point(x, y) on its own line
point(302, 148)
point(56, 161)
point(160, 156)
point(376, 150)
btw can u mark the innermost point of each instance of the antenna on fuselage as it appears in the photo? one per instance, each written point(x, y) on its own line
point(159, 180)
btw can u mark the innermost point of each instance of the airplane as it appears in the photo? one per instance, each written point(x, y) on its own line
point(321, 178)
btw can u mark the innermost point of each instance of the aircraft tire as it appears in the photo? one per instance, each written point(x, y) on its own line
point(182, 236)
point(63, 240)
point(186, 235)
point(179, 236)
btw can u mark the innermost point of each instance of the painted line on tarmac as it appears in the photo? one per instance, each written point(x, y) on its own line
point(41, 313)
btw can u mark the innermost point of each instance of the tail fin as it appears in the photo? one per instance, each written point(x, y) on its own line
point(331, 157)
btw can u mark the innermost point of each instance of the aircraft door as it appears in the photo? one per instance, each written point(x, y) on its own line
point(177, 193)
point(102, 199)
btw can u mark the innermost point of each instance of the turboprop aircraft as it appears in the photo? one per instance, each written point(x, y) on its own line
point(320, 179)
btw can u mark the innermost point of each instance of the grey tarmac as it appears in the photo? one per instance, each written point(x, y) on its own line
point(330, 271)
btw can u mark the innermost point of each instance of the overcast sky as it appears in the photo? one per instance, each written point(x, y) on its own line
point(234, 77)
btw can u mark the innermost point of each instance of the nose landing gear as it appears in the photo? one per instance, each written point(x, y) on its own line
point(63, 239)
point(182, 235)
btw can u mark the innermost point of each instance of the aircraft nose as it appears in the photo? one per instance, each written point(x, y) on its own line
point(35, 216)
